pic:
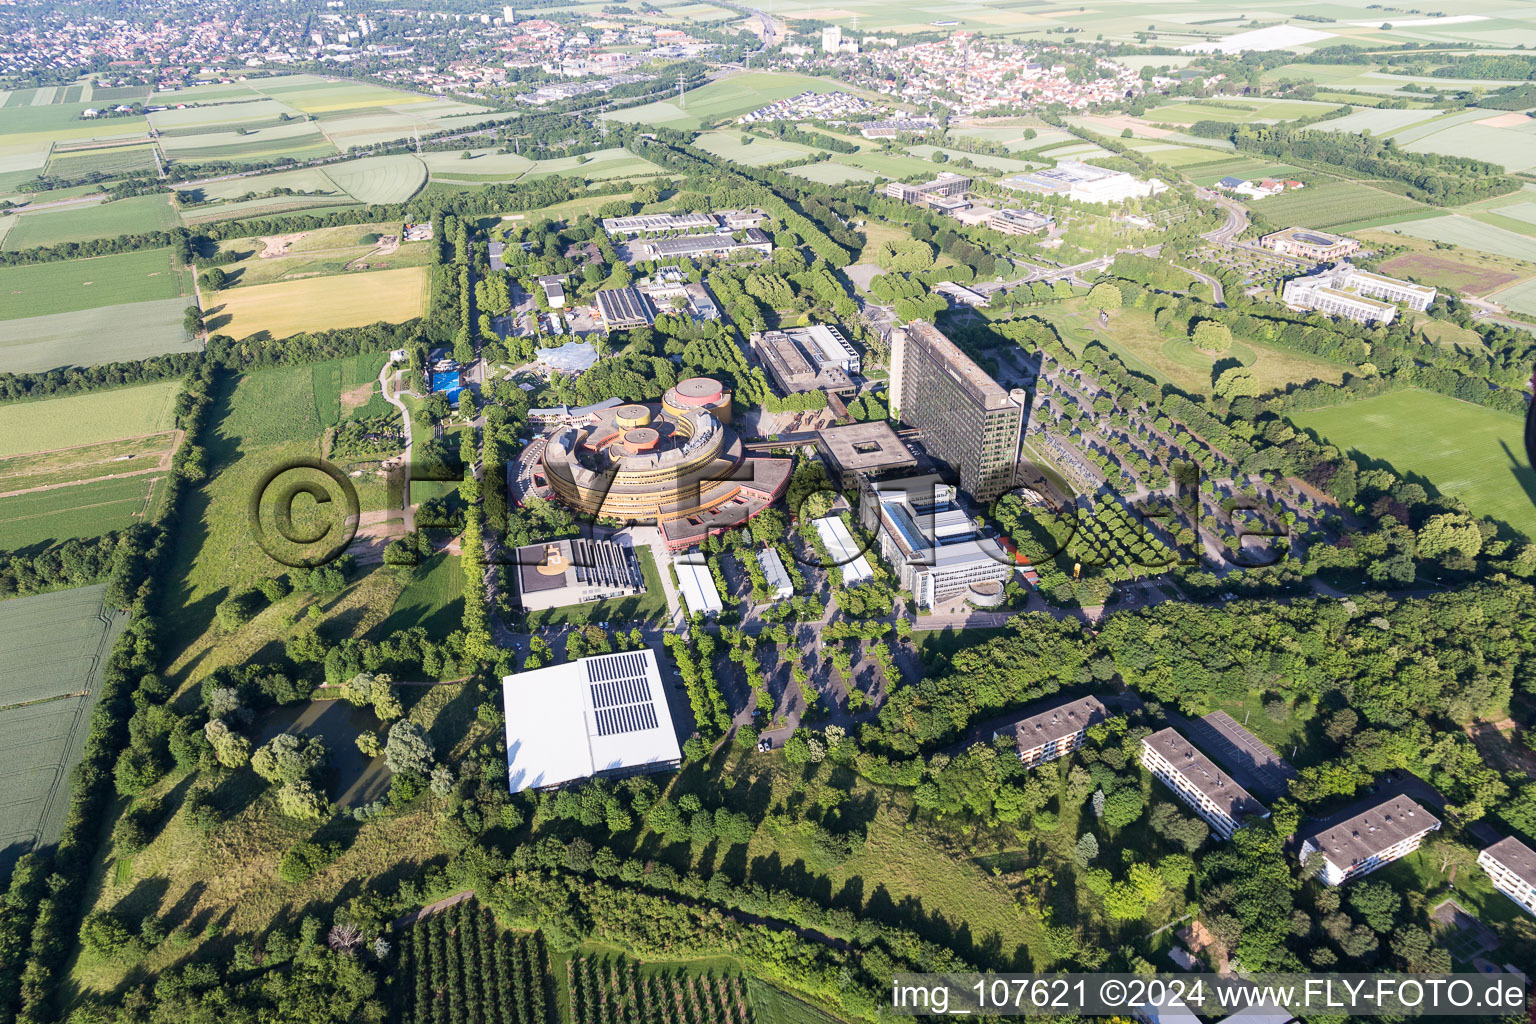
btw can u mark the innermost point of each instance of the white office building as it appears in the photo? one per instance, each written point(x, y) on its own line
point(1346, 291)
point(1511, 865)
point(831, 39)
point(935, 546)
point(1196, 780)
point(1364, 842)
point(605, 715)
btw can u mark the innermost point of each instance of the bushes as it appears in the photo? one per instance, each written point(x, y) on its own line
point(305, 860)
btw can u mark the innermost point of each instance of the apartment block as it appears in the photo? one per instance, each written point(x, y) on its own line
point(1364, 842)
point(1055, 731)
point(1511, 865)
point(1196, 780)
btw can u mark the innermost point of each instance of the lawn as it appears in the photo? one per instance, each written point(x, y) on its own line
point(433, 600)
point(90, 337)
point(321, 304)
point(1135, 339)
point(1474, 453)
point(87, 419)
point(1329, 203)
point(52, 650)
point(380, 179)
point(81, 511)
point(43, 288)
point(136, 215)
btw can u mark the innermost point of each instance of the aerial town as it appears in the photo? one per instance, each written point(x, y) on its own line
point(666, 512)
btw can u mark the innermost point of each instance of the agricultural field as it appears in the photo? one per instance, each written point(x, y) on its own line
point(80, 510)
point(1461, 449)
point(1231, 110)
point(39, 289)
point(481, 165)
point(131, 216)
point(1380, 122)
point(833, 173)
point(380, 179)
point(320, 304)
point(462, 948)
point(726, 98)
point(101, 160)
point(296, 139)
point(1329, 204)
point(53, 648)
point(309, 179)
point(1469, 233)
point(90, 337)
point(87, 419)
point(1461, 270)
point(1521, 297)
point(751, 150)
point(175, 121)
point(1000, 164)
point(600, 165)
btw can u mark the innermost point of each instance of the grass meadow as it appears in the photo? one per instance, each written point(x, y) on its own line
point(1470, 233)
point(726, 98)
point(319, 304)
point(79, 511)
point(40, 289)
point(52, 650)
point(1474, 453)
point(90, 337)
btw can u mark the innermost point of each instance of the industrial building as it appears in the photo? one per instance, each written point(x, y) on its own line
point(862, 451)
point(843, 550)
point(968, 420)
point(774, 574)
point(1054, 731)
point(1363, 842)
point(1196, 780)
point(1346, 291)
point(935, 546)
point(601, 716)
point(947, 184)
point(697, 584)
point(553, 286)
point(677, 465)
point(1020, 222)
point(1084, 183)
point(620, 309)
point(566, 572)
point(1511, 866)
point(652, 223)
point(1310, 244)
point(807, 358)
point(715, 245)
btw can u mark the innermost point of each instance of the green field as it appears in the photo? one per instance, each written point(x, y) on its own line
point(52, 650)
point(1470, 234)
point(1520, 297)
point(380, 179)
point(80, 223)
point(87, 419)
point(726, 98)
point(90, 337)
point(110, 160)
point(599, 165)
point(434, 600)
point(830, 173)
point(1465, 450)
point(329, 379)
point(44, 288)
point(80, 511)
point(1330, 203)
point(750, 150)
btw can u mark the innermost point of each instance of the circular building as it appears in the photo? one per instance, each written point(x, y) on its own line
point(696, 394)
point(687, 473)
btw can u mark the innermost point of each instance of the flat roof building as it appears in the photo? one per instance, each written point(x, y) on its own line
point(553, 286)
point(1511, 865)
point(647, 223)
point(857, 451)
point(774, 574)
point(935, 546)
point(843, 550)
point(1208, 790)
point(1055, 731)
point(601, 716)
point(948, 183)
point(717, 245)
point(1310, 244)
point(623, 308)
point(1020, 222)
point(968, 420)
point(697, 584)
point(1364, 842)
point(1084, 183)
point(576, 571)
point(811, 358)
point(1346, 291)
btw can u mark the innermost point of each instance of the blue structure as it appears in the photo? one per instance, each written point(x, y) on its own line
point(447, 382)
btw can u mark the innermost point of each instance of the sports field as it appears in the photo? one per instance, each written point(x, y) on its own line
point(87, 419)
point(99, 220)
point(380, 179)
point(53, 648)
point(1474, 453)
point(321, 304)
point(43, 288)
point(90, 337)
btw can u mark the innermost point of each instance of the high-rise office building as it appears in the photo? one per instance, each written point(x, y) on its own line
point(968, 420)
point(831, 39)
